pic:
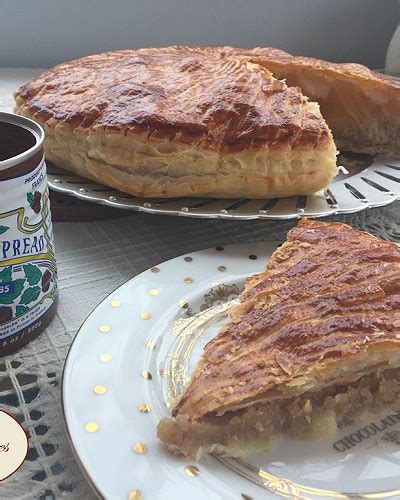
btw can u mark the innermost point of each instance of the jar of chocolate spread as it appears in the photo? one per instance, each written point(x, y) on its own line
point(28, 274)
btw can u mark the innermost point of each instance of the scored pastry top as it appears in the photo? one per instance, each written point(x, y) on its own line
point(215, 98)
point(325, 311)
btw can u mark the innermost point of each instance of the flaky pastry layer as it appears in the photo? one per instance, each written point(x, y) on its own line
point(146, 169)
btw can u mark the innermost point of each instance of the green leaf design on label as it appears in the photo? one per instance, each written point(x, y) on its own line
point(3, 229)
point(9, 299)
point(30, 198)
point(33, 274)
point(20, 310)
point(6, 274)
point(30, 295)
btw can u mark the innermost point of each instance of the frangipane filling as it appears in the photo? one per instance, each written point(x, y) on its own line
point(311, 415)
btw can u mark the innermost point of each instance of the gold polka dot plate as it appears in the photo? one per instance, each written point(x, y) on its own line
point(117, 386)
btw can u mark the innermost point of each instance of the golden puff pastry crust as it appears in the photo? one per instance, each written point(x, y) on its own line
point(181, 121)
point(316, 326)
point(329, 295)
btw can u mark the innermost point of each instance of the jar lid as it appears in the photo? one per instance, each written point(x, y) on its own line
point(34, 128)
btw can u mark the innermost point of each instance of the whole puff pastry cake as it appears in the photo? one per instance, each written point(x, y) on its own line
point(181, 121)
point(210, 121)
point(313, 344)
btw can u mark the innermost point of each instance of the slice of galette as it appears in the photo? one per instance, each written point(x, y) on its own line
point(313, 344)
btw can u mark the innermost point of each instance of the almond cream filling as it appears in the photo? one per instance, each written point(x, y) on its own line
point(311, 415)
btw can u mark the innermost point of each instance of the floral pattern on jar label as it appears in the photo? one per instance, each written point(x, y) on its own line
point(28, 274)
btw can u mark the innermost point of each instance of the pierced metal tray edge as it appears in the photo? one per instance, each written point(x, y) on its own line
point(377, 185)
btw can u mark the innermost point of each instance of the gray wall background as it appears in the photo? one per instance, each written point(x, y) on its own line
point(41, 33)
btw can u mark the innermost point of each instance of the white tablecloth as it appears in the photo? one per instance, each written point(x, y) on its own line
point(93, 259)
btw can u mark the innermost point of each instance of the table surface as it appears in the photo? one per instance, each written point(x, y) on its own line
point(94, 257)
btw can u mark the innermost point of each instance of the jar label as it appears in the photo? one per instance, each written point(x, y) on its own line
point(28, 284)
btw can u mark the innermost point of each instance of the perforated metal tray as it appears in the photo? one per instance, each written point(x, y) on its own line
point(370, 182)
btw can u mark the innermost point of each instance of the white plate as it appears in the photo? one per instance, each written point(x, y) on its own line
point(367, 185)
point(141, 343)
